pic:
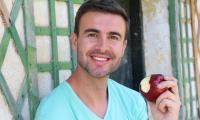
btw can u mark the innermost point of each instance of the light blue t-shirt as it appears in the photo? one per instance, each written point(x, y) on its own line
point(64, 104)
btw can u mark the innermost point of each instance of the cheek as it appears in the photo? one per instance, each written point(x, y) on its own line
point(119, 50)
point(84, 47)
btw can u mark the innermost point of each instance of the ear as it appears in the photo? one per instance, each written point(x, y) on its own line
point(74, 41)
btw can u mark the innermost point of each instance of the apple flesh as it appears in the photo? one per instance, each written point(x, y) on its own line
point(149, 87)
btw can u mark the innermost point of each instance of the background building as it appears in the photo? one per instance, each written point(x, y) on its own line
point(36, 55)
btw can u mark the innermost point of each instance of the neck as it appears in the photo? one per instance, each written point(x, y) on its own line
point(92, 91)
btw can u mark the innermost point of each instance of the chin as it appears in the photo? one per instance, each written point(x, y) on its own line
point(100, 75)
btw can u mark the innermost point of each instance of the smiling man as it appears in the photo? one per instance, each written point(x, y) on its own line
point(100, 39)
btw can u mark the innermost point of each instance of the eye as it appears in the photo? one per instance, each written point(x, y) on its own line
point(92, 35)
point(114, 37)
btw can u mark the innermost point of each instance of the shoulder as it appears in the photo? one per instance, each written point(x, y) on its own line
point(123, 89)
point(57, 94)
point(52, 104)
point(132, 100)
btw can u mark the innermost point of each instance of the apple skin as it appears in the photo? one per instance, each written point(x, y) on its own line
point(154, 91)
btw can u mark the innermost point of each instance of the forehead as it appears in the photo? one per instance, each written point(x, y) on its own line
point(102, 21)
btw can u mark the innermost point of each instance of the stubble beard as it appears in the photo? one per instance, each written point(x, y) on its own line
point(96, 72)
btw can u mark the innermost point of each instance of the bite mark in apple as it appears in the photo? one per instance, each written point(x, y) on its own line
point(149, 87)
point(145, 86)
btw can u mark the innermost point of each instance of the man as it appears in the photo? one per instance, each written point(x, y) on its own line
point(99, 39)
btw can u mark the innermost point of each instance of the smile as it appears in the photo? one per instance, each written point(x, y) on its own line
point(101, 58)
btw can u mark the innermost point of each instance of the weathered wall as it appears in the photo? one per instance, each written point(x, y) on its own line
point(43, 43)
point(12, 68)
point(157, 51)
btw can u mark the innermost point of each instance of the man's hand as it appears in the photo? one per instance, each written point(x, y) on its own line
point(168, 104)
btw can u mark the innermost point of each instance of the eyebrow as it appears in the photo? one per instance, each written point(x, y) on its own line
point(91, 30)
point(97, 31)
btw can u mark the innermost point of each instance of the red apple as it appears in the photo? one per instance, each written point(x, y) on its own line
point(149, 87)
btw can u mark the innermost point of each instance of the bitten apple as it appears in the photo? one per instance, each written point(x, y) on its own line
point(149, 87)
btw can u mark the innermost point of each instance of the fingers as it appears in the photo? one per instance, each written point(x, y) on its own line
point(169, 100)
point(166, 95)
point(170, 83)
point(168, 105)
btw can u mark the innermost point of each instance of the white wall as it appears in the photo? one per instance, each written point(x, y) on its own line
point(157, 51)
point(13, 69)
point(156, 47)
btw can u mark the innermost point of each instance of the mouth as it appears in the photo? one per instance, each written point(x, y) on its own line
point(103, 59)
point(100, 59)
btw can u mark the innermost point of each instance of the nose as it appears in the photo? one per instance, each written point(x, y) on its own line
point(102, 44)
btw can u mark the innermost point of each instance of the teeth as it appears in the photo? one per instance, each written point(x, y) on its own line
point(100, 59)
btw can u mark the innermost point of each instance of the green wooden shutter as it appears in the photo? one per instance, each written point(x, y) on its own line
point(27, 52)
point(183, 56)
point(12, 37)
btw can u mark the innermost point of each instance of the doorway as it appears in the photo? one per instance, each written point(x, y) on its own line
point(131, 70)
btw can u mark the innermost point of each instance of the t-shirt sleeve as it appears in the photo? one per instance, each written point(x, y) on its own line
point(40, 113)
point(47, 109)
point(142, 110)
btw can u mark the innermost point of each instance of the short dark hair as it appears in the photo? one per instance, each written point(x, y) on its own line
point(107, 6)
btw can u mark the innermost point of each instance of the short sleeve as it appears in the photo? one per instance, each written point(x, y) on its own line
point(142, 110)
